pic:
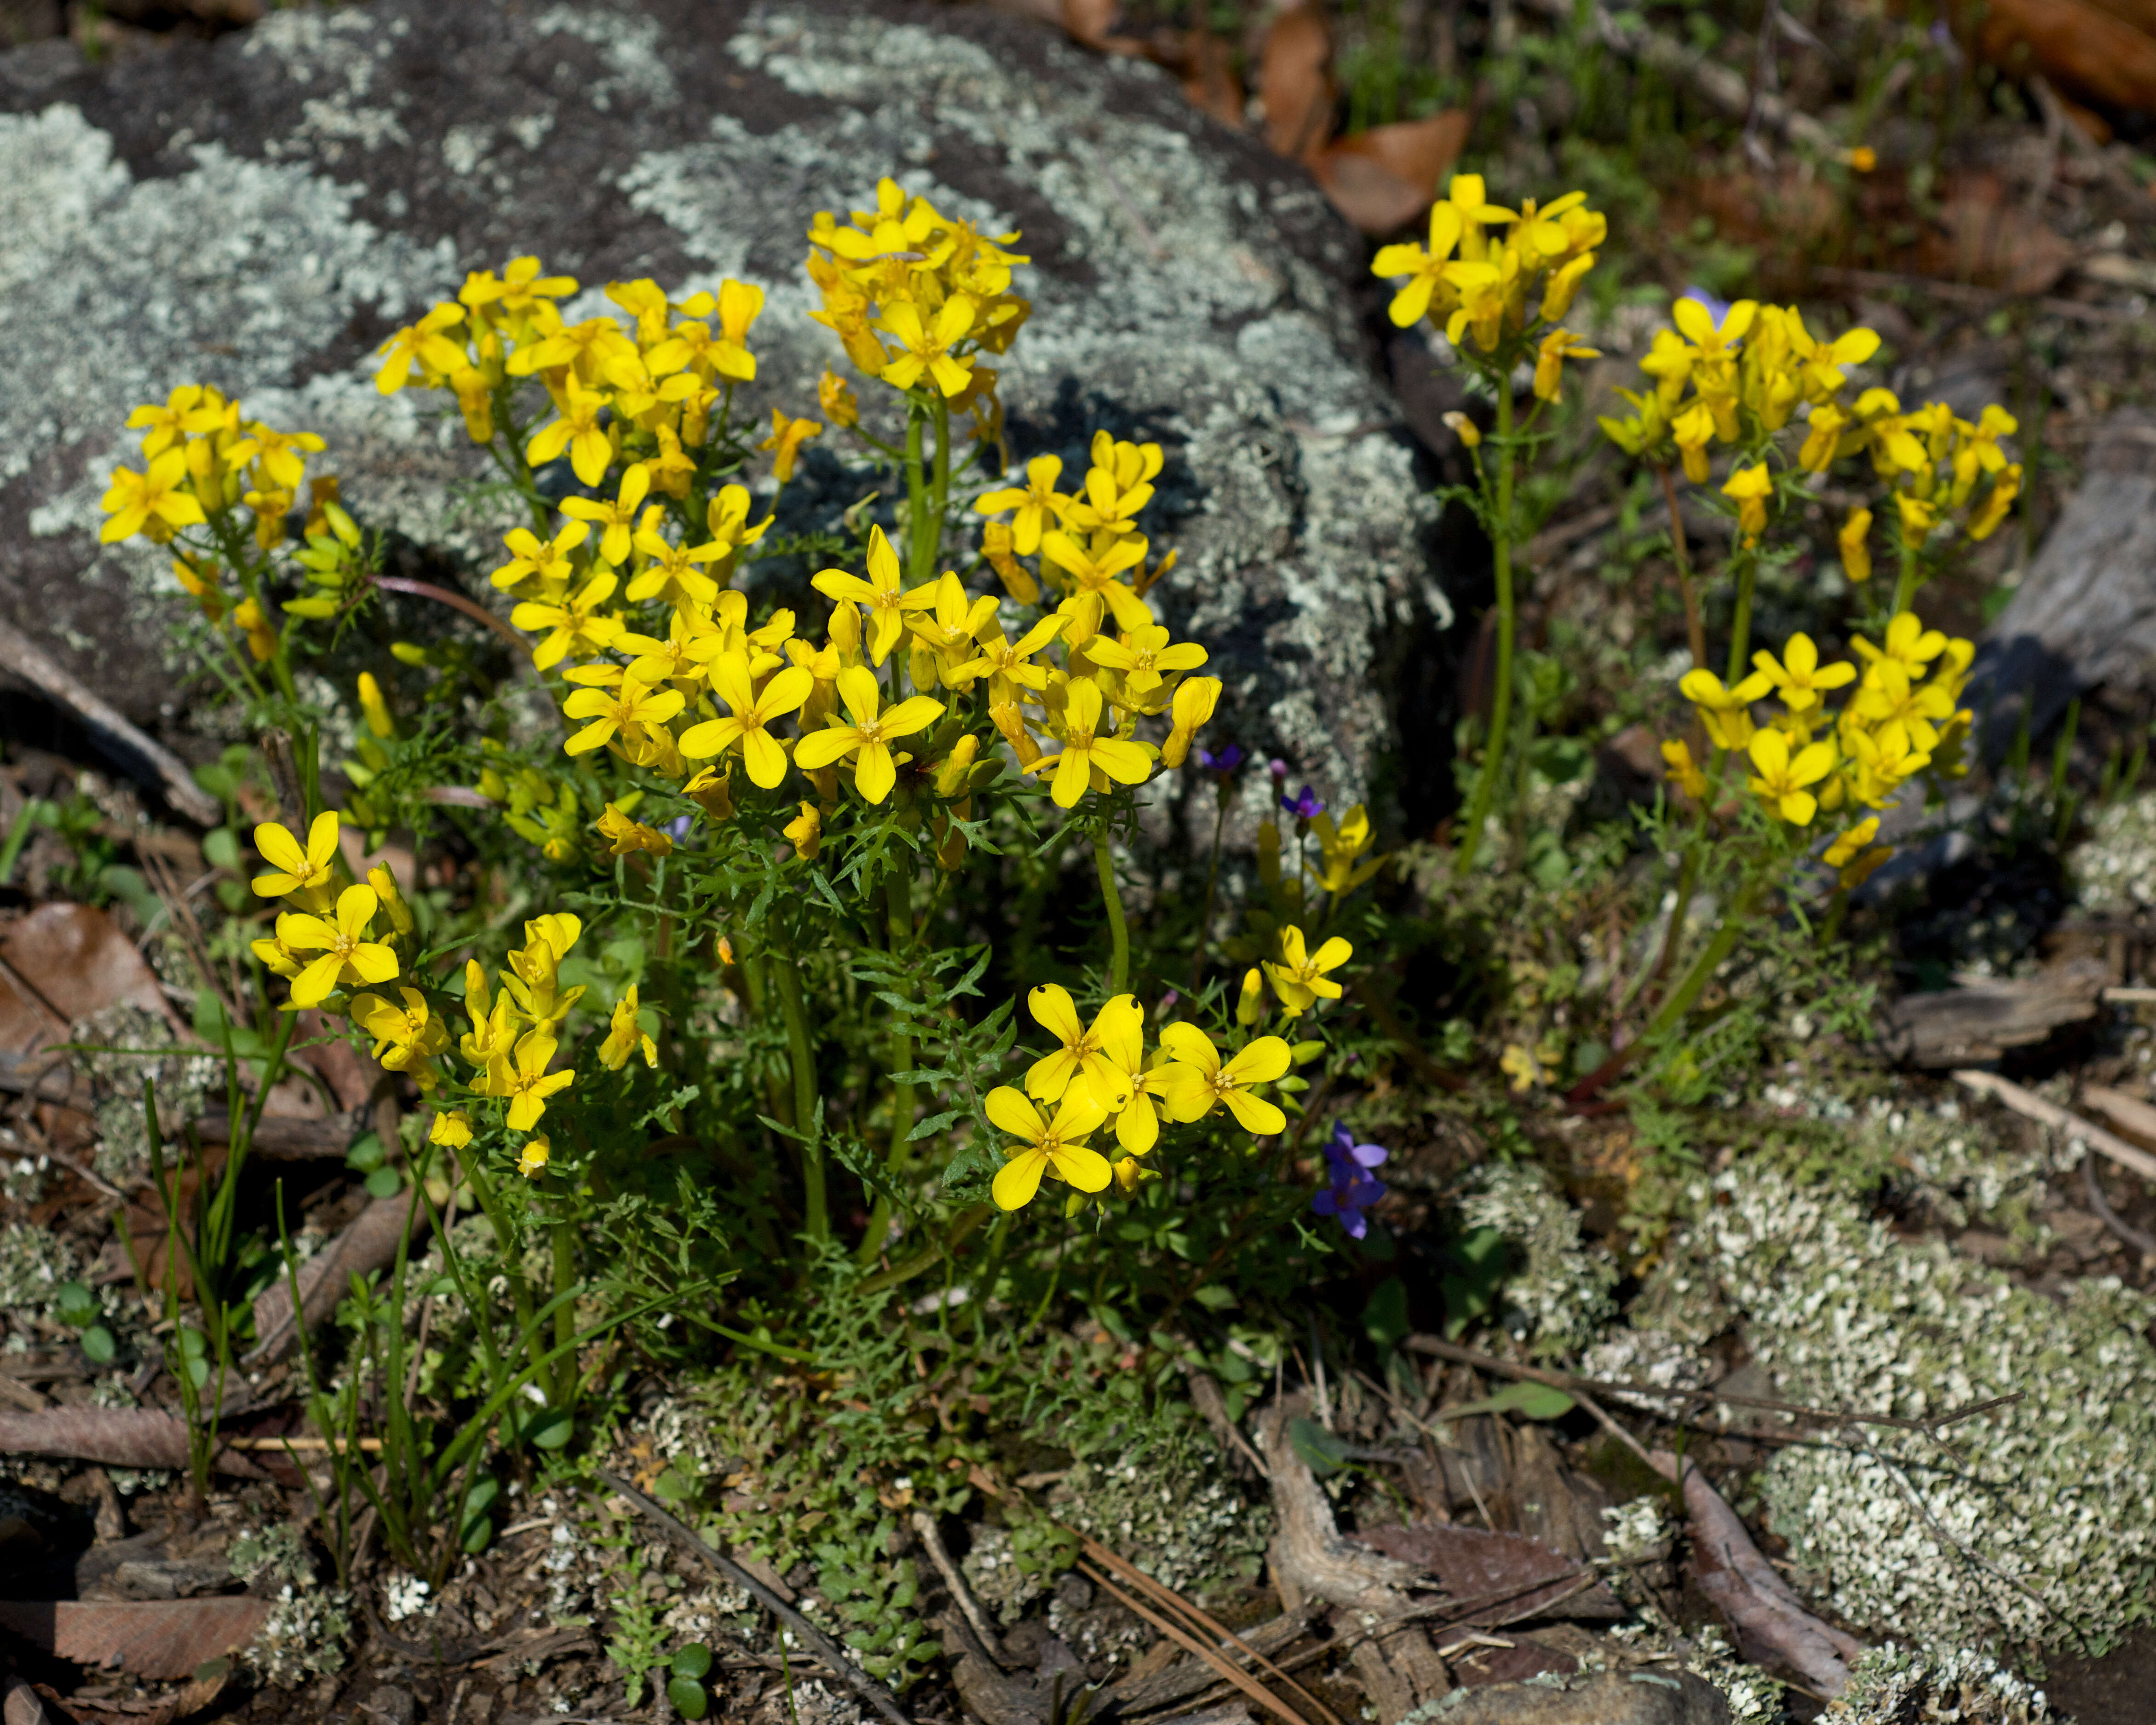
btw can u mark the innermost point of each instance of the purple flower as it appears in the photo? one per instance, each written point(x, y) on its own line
point(1169, 1001)
point(1304, 805)
point(1350, 1189)
point(1278, 769)
point(679, 826)
point(1225, 762)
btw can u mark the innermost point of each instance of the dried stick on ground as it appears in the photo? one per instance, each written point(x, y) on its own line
point(1749, 1591)
point(26, 659)
point(931, 1540)
point(814, 1639)
point(2032, 1107)
point(2144, 1243)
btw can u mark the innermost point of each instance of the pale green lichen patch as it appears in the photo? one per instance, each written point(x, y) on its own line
point(1558, 1298)
point(2042, 1530)
point(1897, 1685)
point(2114, 869)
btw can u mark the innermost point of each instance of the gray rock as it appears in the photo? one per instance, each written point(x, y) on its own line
point(260, 212)
point(1603, 1698)
point(2084, 616)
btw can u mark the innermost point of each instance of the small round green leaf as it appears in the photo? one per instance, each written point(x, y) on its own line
point(551, 1428)
point(384, 1184)
point(478, 1535)
point(365, 1154)
point(689, 1697)
point(693, 1660)
point(98, 1346)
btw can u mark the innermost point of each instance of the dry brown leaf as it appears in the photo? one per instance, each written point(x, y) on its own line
point(1420, 152)
point(21, 1705)
point(1473, 1563)
point(68, 961)
point(1985, 235)
point(1209, 82)
point(2095, 54)
point(158, 1639)
point(1294, 79)
point(120, 1437)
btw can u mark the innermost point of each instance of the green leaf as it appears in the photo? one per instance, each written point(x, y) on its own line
point(384, 1184)
point(1385, 1317)
point(934, 1124)
point(478, 1535)
point(692, 1661)
point(1323, 1452)
point(98, 1346)
point(1534, 1401)
point(367, 1154)
point(551, 1429)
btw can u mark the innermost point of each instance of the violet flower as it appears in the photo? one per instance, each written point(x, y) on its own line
point(1305, 805)
point(1225, 762)
point(1351, 1189)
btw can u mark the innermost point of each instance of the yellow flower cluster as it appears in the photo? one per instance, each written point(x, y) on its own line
point(1102, 1071)
point(916, 295)
point(203, 461)
point(651, 392)
point(1902, 717)
point(1742, 379)
point(1475, 283)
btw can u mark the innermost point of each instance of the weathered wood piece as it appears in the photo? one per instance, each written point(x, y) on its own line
point(1985, 1018)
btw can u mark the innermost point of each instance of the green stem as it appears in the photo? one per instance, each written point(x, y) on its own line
point(1724, 942)
point(1211, 885)
point(1740, 627)
point(917, 494)
point(815, 1202)
point(1905, 583)
point(564, 1240)
point(504, 1237)
point(1500, 706)
point(941, 499)
point(898, 904)
point(1119, 934)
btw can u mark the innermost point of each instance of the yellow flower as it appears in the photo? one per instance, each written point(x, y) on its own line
point(624, 835)
point(188, 410)
point(1008, 664)
point(151, 501)
point(1093, 571)
point(391, 900)
point(1683, 771)
point(1726, 712)
point(883, 593)
point(1197, 1081)
point(1086, 750)
point(1082, 1051)
point(926, 347)
point(750, 712)
point(1782, 778)
point(1423, 267)
point(1861, 159)
point(347, 956)
point(1918, 518)
point(574, 624)
point(1251, 998)
point(1300, 980)
point(1903, 714)
point(806, 832)
point(531, 1159)
point(1469, 433)
point(1854, 856)
point(1693, 429)
point(578, 431)
point(625, 1037)
point(1798, 676)
point(423, 348)
point(869, 736)
point(1044, 1146)
point(1144, 656)
point(1557, 347)
point(629, 712)
point(298, 868)
point(373, 707)
point(616, 521)
point(1749, 487)
point(1340, 845)
point(1195, 699)
point(1855, 553)
point(787, 434)
point(1908, 643)
point(548, 560)
point(1519, 1064)
point(522, 1077)
point(450, 1130)
point(1037, 502)
point(1992, 510)
point(836, 396)
point(410, 1033)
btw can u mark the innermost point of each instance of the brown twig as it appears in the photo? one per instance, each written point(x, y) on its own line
point(814, 1639)
point(2143, 1243)
point(471, 608)
point(1707, 1395)
point(1189, 1643)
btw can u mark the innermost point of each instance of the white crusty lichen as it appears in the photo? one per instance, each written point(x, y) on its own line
point(1558, 1298)
point(2114, 869)
point(2038, 1528)
point(1897, 1685)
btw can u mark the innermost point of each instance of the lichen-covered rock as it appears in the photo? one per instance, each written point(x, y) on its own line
point(2039, 1526)
point(1557, 1298)
point(1892, 1684)
point(260, 212)
point(2114, 869)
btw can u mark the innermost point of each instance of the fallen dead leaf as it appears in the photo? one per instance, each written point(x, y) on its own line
point(64, 962)
point(1209, 82)
point(1473, 1563)
point(2096, 53)
point(121, 1437)
point(1985, 235)
point(1385, 178)
point(1295, 80)
point(157, 1639)
point(21, 1705)
point(1092, 22)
